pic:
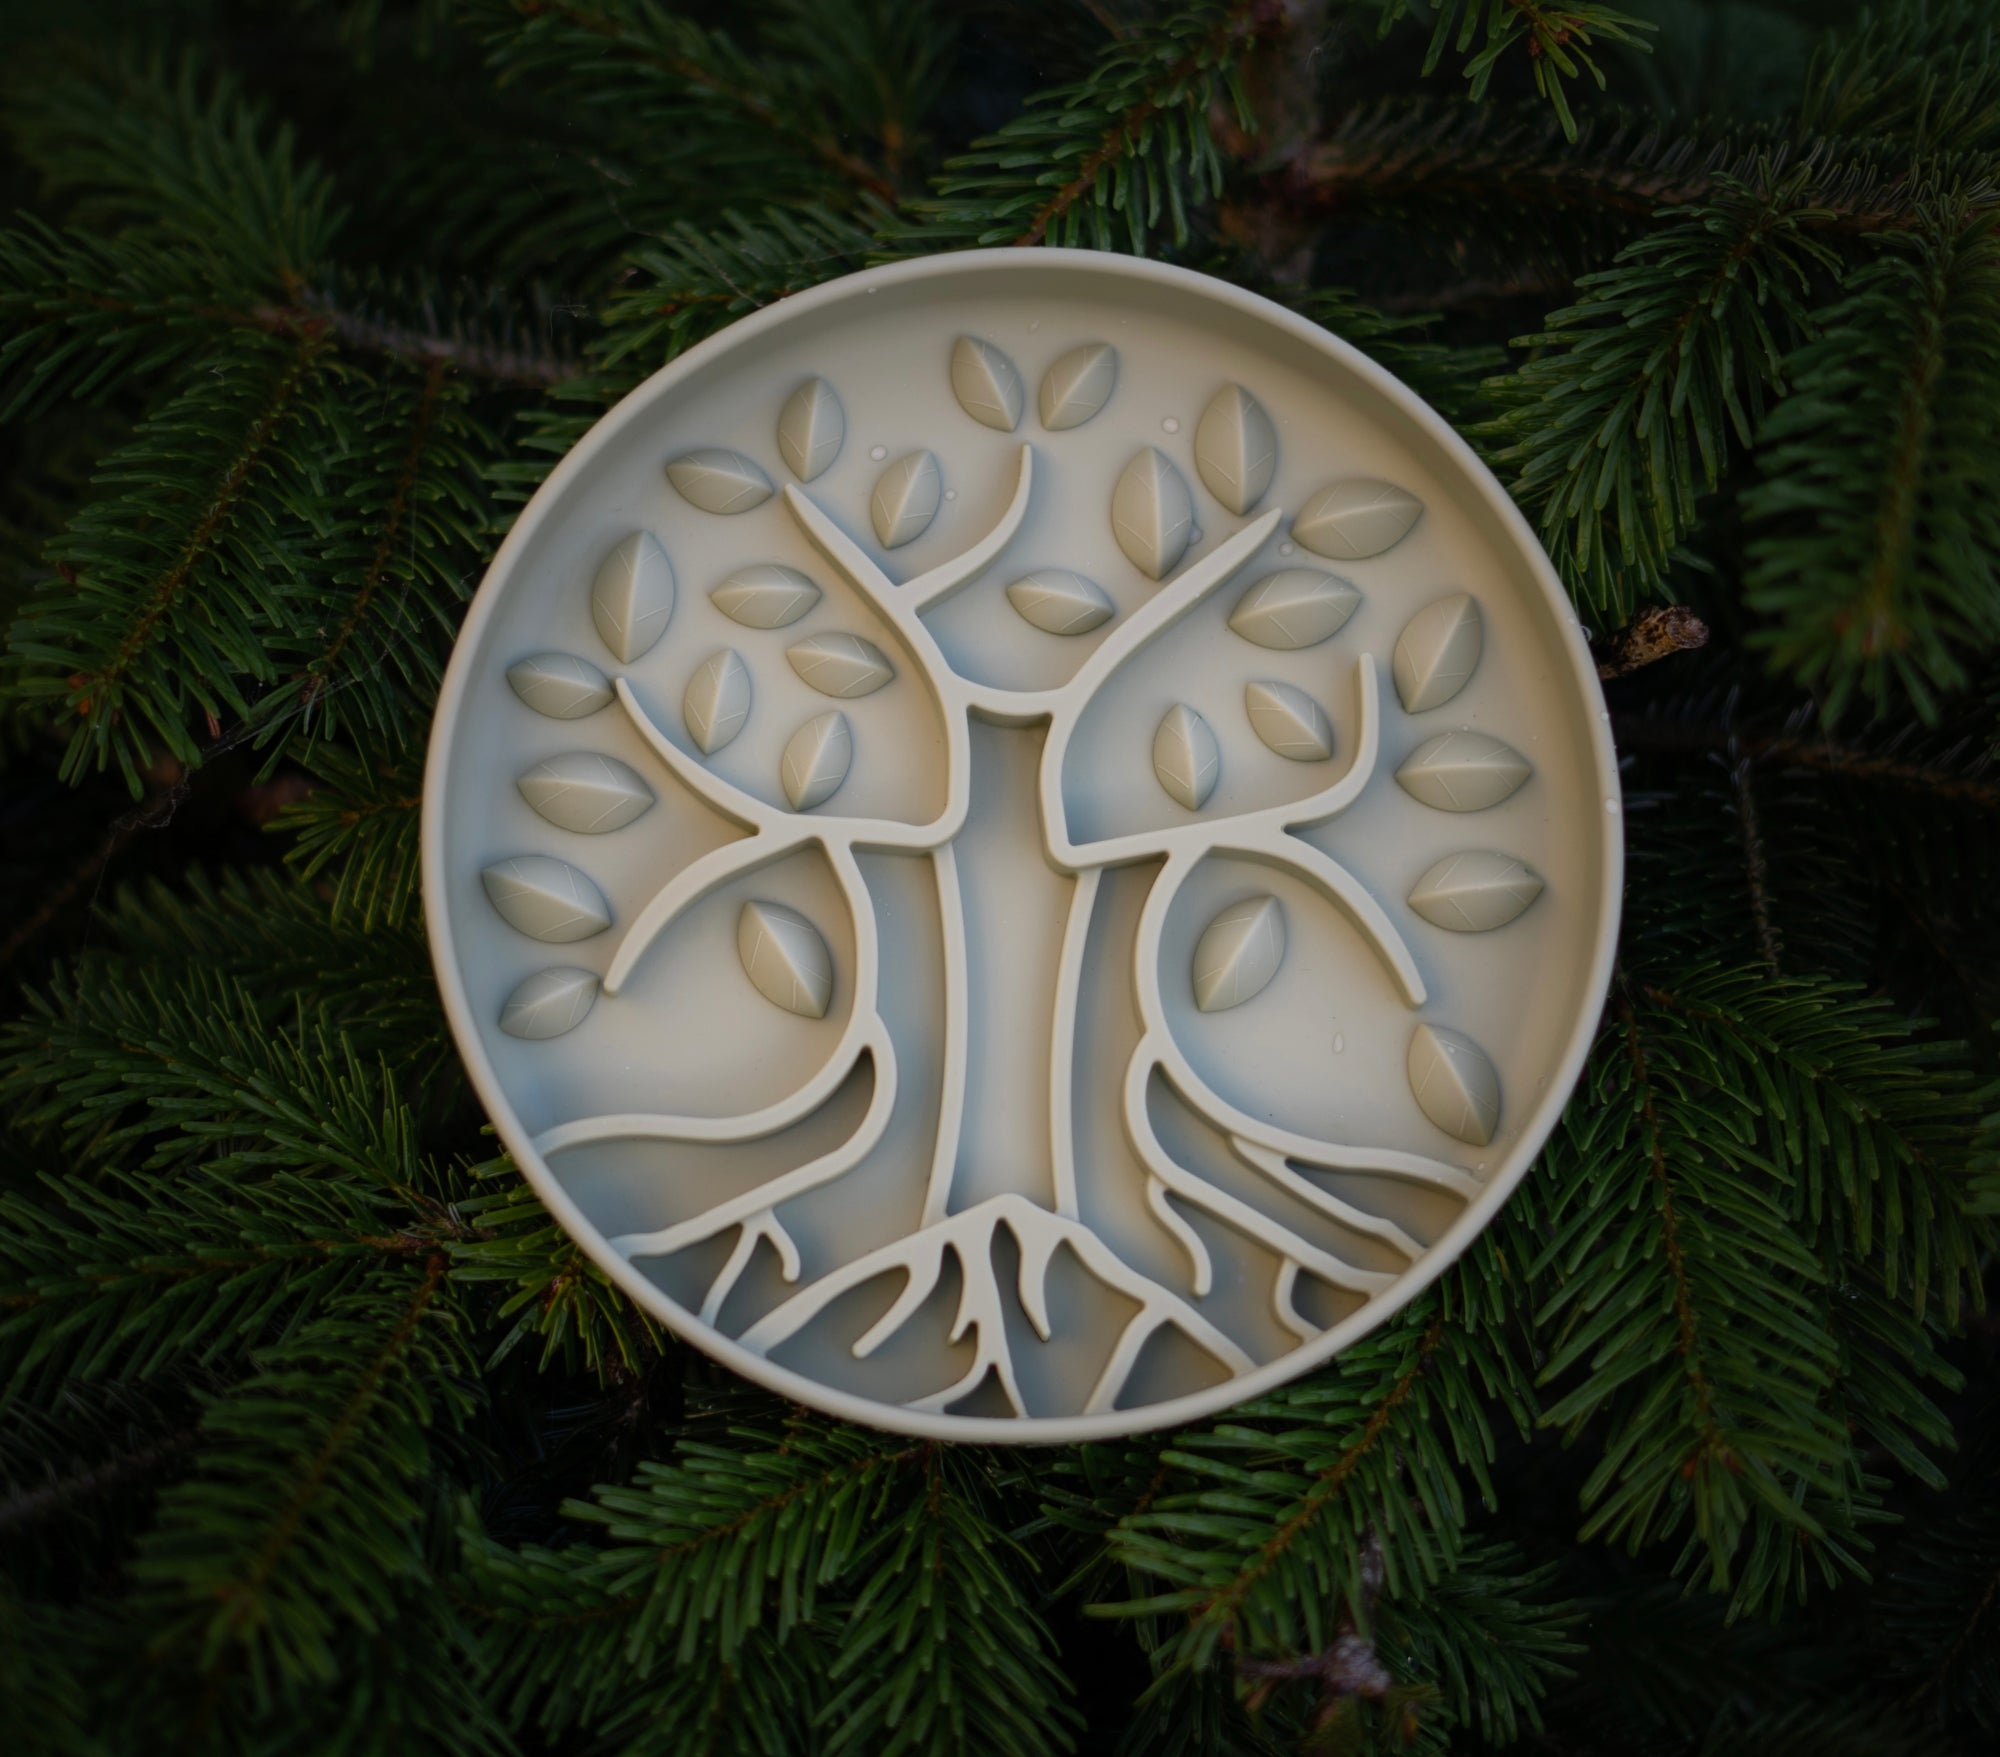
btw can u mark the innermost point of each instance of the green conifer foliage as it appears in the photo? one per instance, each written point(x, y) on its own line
point(318, 1435)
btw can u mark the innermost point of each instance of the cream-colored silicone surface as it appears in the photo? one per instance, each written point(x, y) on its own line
point(1080, 949)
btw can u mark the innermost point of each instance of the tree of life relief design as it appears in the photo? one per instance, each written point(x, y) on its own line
point(1022, 935)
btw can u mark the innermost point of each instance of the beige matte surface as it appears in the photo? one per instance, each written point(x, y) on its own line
point(1072, 1026)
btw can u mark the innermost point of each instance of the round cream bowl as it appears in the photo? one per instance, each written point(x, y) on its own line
point(1194, 945)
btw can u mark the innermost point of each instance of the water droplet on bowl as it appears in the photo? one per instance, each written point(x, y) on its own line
point(1170, 425)
point(1339, 1043)
point(877, 452)
point(1287, 549)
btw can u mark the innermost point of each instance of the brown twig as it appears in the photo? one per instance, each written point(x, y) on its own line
point(402, 341)
point(1656, 635)
point(822, 144)
point(26, 1506)
point(1756, 869)
point(1248, 22)
point(1711, 1441)
point(1821, 755)
point(101, 687)
point(422, 419)
point(1348, 1667)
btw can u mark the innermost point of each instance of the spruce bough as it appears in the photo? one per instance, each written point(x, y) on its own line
point(317, 1434)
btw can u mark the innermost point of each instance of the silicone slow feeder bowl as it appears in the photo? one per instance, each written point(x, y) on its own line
point(1022, 845)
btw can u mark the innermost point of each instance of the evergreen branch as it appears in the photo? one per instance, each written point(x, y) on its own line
point(161, 1068)
point(497, 360)
point(42, 1677)
point(1690, 1263)
point(197, 498)
point(1944, 1602)
point(1448, 377)
point(275, 938)
point(80, 1473)
point(1834, 1725)
point(1756, 869)
point(1453, 176)
point(1925, 76)
point(376, 628)
point(1557, 39)
point(1411, 153)
point(24, 1506)
point(156, 809)
point(1260, 1542)
point(1943, 782)
point(303, 1514)
point(1105, 158)
point(690, 283)
point(1491, 1637)
point(476, 329)
point(1878, 554)
point(942, 1649)
point(1613, 432)
point(315, 577)
point(359, 825)
point(728, 1546)
point(1871, 1125)
point(1897, 908)
point(756, 1705)
point(558, 1293)
point(168, 587)
point(1329, 1483)
point(171, 158)
point(565, 38)
point(85, 317)
point(1741, 1112)
point(132, 1281)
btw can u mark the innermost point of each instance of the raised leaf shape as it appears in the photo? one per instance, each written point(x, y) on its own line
point(1454, 1084)
point(816, 760)
point(987, 384)
point(1060, 602)
point(841, 665)
point(1236, 448)
point(811, 427)
point(1350, 521)
point(906, 499)
point(1475, 892)
point(560, 685)
point(1186, 758)
point(1437, 652)
point(545, 898)
point(1238, 954)
point(717, 704)
point(632, 596)
point(765, 595)
point(585, 792)
point(1295, 607)
point(1152, 515)
point(1463, 771)
point(1289, 721)
point(1078, 385)
point(719, 480)
point(549, 1003)
point(785, 957)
